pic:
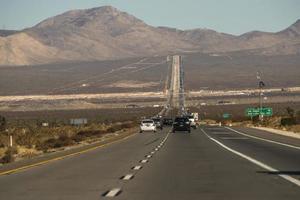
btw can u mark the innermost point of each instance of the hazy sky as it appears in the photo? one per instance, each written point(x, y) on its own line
point(229, 16)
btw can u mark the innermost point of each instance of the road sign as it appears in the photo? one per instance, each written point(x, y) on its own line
point(266, 111)
point(226, 115)
point(251, 112)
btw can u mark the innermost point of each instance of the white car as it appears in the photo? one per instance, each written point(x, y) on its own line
point(192, 121)
point(147, 125)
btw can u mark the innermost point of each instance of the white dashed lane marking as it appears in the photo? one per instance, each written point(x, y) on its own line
point(112, 193)
point(144, 161)
point(127, 177)
point(138, 167)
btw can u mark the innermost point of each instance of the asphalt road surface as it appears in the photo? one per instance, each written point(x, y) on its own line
point(209, 163)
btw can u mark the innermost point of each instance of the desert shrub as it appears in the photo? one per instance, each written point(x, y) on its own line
point(53, 143)
point(26, 137)
point(113, 129)
point(287, 121)
point(129, 125)
point(2, 123)
point(9, 155)
point(90, 133)
point(297, 117)
point(290, 112)
point(78, 138)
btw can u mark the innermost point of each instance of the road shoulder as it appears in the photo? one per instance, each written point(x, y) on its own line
point(55, 156)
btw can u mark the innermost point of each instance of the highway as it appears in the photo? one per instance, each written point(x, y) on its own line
point(210, 163)
point(180, 166)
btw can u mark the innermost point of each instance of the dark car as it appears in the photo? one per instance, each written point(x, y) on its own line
point(168, 121)
point(181, 124)
point(158, 122)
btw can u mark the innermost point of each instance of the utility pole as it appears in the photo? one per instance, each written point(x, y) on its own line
point(261, 84)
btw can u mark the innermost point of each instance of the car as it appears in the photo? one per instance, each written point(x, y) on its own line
point(181, 124)
point(158, 122)
point(147, 125)
point(168, 121)
point(192, 121)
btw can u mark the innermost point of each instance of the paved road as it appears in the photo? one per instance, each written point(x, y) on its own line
point(186, 166)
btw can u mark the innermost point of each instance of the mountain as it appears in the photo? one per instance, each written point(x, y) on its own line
point(5, 33)
point(107, 33)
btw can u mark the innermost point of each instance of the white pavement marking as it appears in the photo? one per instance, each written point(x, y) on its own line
point(148, 156)
point(234, 138)
point(220, 133)
point(152, 152)
point(254, 161)
point(114, 192)
point(127, 177)
point(144, 161)
point(266, 140)
point(138, 167)
point(156, 149)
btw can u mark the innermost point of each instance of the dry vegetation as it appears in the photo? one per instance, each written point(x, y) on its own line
point(30, 138)
point(286, 116)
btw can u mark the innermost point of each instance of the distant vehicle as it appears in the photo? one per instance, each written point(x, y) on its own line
point(168, 121)
point(196, 116)
point(156, 106)
point(147, 125)
point(192, 121)
point(181, 124)
point(158, 122)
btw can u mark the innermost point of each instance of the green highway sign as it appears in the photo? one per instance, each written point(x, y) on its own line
point(251, 112)
point(226, 115)
point(267, 111)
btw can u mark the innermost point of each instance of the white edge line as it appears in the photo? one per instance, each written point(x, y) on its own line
point(234, 138)
point(258, 163)
point(266, 140)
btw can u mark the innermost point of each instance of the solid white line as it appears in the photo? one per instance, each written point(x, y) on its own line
point(266, 140)
point(144, 161)
point(254, 161)
point(128, 177)
point(138, 167)
point(234, 138)
point(114, 192)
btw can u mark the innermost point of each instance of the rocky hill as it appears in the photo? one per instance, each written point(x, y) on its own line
point(107, 33)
